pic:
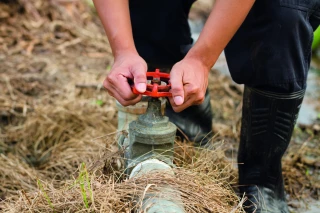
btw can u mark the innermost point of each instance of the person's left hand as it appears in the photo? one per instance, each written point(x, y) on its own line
point(189, 81)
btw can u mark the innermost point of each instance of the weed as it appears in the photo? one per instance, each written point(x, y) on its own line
point(45, 194)
point(84, 181)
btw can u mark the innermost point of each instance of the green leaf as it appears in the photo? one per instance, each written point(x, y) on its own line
point(316, 39)
point(307, 172)
point(82, 179)
point(45, 194)
point(99, 102)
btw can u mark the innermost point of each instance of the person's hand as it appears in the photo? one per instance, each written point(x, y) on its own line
point(126, 66)
point(189, 81)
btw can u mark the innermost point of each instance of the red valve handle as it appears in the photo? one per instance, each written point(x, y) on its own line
point(155, 89)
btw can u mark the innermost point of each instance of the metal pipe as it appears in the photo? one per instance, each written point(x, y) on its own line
point(167, 200)
point(149, 148)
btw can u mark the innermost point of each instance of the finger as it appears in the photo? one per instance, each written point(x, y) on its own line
point(119, 86)
point(192, 97)
point(122, 101)
point(195, 93)
point(125, 102)
point(189, 101)
point(179, 108)
point(110, 90)
point(177, 86)
point(140, 78)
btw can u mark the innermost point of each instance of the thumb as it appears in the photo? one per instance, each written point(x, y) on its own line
point(140, 78)
point(177, 86)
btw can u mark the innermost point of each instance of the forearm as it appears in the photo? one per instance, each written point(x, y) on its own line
point(115, 17)
point(223, 22)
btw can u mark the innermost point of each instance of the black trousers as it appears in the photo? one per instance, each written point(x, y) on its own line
point(271, 50)
point(160, 30)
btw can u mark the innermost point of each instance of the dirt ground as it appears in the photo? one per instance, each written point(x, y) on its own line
point(57, 123)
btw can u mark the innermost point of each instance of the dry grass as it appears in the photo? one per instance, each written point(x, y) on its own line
point(51, 143)
point(204, 186)
point(55, 118)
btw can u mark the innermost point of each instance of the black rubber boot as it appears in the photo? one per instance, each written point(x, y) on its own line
point(195, 122)
point(268, 121)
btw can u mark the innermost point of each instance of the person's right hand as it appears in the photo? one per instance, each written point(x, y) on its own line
point(126, 66)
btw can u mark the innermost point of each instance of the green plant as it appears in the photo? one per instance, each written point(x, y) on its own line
point(85, 185)
point(316, 39)
point(307, 172)
point(45, 194)
point(99, 102)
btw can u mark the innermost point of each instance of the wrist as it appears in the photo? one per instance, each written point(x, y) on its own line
point(119, 52)
point(200, 58)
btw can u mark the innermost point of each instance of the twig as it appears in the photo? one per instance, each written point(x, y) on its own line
point(66, 44)
point(229, 91)
point(13, 97)
point(30, 9)
point(91, 86)
point(25, 195)
point(240, 204)
point(111, 133)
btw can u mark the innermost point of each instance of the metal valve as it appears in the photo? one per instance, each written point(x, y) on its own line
point(149, 146)
point(158, 85)
point(152, 135)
